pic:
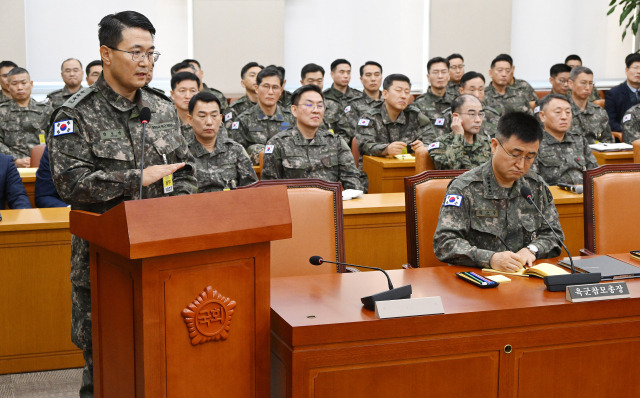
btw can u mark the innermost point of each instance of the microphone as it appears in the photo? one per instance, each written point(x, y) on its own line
point(369, 302)
point(558, 283)
point(570, 188)
point(145, 116)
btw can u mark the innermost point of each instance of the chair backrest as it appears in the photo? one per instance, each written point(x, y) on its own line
point(423, 195)
point(599, 102)
point(611, 216)
point(636, 151)
point(423, 161)
point(317, 228)
point(36, 155)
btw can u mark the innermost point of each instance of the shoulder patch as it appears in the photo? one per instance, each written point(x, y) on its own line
point(156, 91)
point(364, 122)
point(235, 125)
point(433, 145)
point(268, 149)
point(536, 109)
point(439, 121)
point(63, 127)
point(453, 200)
point(228, 116)
point(347, 109)
point(626, 118)
point(79, 96)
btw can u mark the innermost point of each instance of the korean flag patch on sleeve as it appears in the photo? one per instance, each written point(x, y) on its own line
point(453, 200)
point(626, 118)
point(235, 125)
point(268, 149)
point(63, 127)
point(228, 116)
point(347, 109)
point(363, 122)
point(433, 145)
point(439, 121)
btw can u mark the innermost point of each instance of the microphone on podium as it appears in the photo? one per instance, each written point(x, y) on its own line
point(145, 116)
point(558, 283)
point(369, 302)
point(571, 188)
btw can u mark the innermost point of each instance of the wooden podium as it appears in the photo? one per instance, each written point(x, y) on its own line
point(180, 293)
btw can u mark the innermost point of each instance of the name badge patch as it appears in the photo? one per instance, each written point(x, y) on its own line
point(453, 200)
point(268, 149)
point(439, 121)
point(626, 118)
point(63, 127)
point(363, 122)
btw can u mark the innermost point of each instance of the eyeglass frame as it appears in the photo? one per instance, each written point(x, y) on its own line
point(517, 158)
point(156, 54)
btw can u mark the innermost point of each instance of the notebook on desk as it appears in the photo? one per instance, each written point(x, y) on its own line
point(609, 267)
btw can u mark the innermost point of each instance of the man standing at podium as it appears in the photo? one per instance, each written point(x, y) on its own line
point(95, 148)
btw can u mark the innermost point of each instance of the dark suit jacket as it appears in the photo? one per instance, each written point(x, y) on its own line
point(11, 187)
point(45, 192)
point(616, 102)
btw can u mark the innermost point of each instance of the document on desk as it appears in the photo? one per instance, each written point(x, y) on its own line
point(539, 270)
point(605, 147)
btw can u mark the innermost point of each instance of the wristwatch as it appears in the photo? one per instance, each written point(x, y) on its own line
point(533, 249)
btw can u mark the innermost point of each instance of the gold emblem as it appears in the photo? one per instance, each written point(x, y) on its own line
point(208, 317)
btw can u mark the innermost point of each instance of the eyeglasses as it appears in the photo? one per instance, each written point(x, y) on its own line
point(310, 107)
point(136, 56)
point(474, 115)
point(517, 158)
point(266, 87)
point(457, 67)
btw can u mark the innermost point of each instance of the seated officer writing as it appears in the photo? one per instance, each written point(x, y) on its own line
point(307, 150)
point(484, 221)
point(221, 163)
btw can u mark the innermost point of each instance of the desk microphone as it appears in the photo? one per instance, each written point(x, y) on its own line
point(571, 188)
point(369, 302)
point(145, 116)
point(558, 283)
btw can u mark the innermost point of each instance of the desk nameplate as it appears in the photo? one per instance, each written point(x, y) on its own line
point(597, 292)
point(409, 307)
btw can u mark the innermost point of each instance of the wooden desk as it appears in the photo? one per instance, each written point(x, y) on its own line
point(387, 174)
point(517, 340)
point(613, 157)
point(28, 176)
point(35, 292)
point(375, 227)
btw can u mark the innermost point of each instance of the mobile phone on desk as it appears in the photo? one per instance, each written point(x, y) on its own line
point(634, 254)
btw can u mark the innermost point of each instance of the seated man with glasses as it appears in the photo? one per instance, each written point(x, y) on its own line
point(255, 126)
point(308, 151)
point(564, 155)
point(484, 221)
point(437, 99)
point(463, 147)
point(589, 119)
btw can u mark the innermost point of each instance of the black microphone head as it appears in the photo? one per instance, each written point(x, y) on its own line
point(145, 115)
point(315, 260)
point(526, 193)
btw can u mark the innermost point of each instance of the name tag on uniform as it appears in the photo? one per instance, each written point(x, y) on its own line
point(363, 122)
point(41, 137)
point(162, 126)
point(487, 213)
point(439, 121)
point(626, 118)
point(453, 200)
point(167, 183)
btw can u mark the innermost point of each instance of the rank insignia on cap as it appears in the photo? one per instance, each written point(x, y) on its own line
point(626, 118)
point(453, 200)
point(235, 125)
point(228, 116)
point(347, 109)
point(433, 145)
point(363, 122)
point(536, 109)
point(268, 149)
point(63, 127)
point(439, 121)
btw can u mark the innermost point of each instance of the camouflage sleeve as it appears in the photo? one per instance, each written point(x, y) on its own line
point(246, 174)
point(630, 127)
point(592, 163)
point(368, 140)
point(594, 96)
point(4, 149)
point(184, 179)
point(349, 173)
point(341, 127)
point(230, 116)
point(450, 242)
point(545, 240)
point(448, 157)
point(606, 135)
point(238, 132)
point(427, 131)
point(272, 167)
point(530, 93)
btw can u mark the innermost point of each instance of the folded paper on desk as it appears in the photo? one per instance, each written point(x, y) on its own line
point(539, 270)
point(604, 147)
point(608, 267)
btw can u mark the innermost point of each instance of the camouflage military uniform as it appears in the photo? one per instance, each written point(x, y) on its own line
point(217, 93)
point(594, 96)
point(451, 151)
point(285, 99)
point(4, 98)
point(434, 106)
point(453, 89)
point(511, 101)
point(335, 120)
point(58, 97)
point(631, 124)
point(358, 107)
point(94, 149)
point(375, 130)
point(477, 210)
point(525, 88)
point(333, 94)
point(564, 161)
point(227, 167)
point(235, 109)
point(22, 128)
point(253, 128)
point(326, 157)
point(592, 123)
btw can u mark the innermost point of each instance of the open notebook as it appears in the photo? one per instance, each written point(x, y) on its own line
point(539, 270)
